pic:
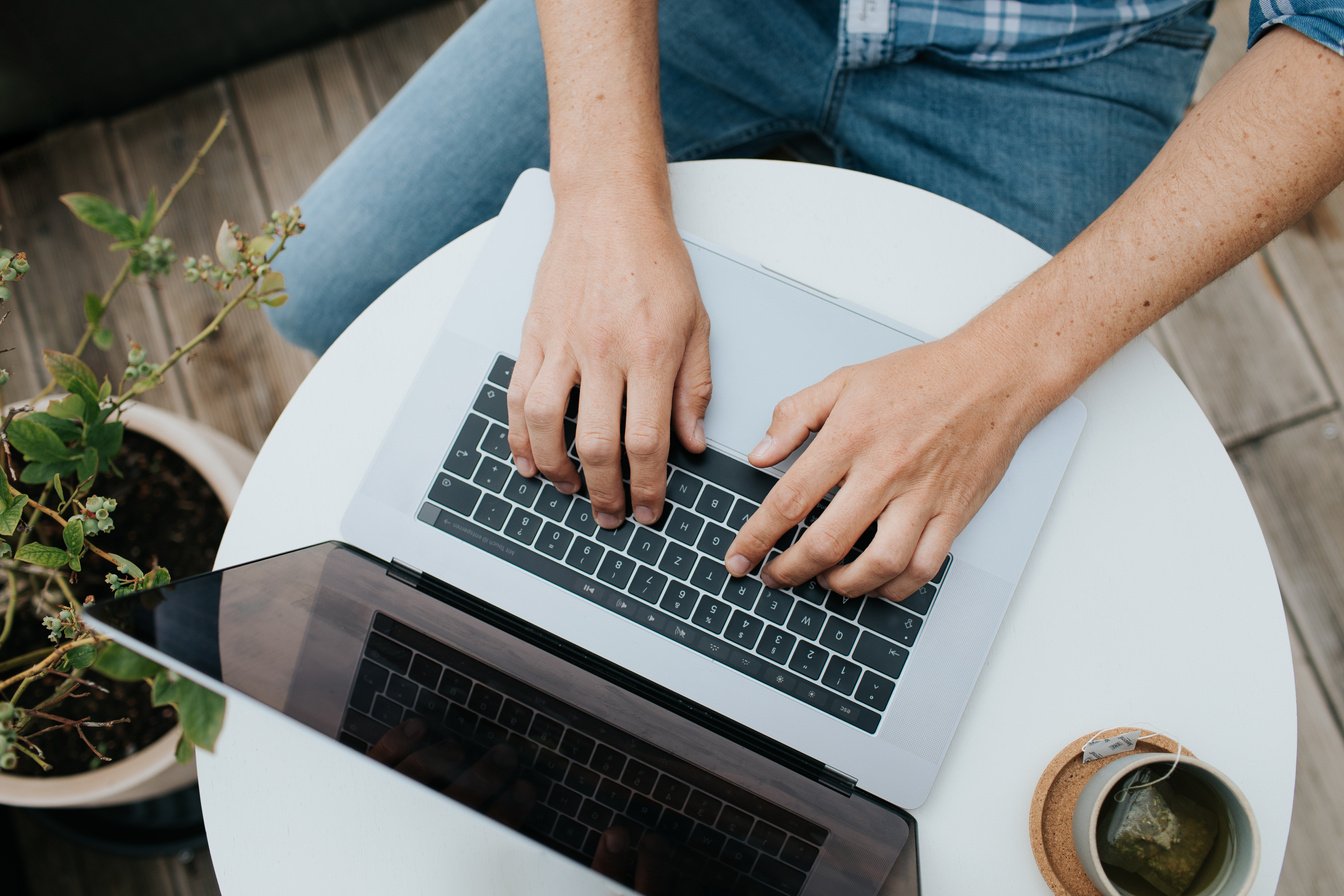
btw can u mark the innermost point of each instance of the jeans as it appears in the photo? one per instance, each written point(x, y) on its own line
point(1041, 151)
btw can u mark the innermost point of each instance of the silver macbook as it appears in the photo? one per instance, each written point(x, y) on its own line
point(870, 690)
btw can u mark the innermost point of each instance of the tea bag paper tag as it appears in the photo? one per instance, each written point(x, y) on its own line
point(1111, 746)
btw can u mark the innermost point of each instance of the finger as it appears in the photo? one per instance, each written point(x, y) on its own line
point(648, 406)
point(827, 542)
point(898, 530)
point(692, 391)
point(544, 411)
point(524, 374)
point(615, 855)
point(513, 805)
point(598, 441)
point(800, 489)
point(483, 781)
point(435, 766)
point(655, 869)
point(797, 416)
point(927, 559)
point(398, 742)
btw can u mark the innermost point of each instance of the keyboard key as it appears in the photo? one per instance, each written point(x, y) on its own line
point(595, 815)
point(456, 495)
point(388, 653)
point(643, 811)
point(387, 712)
point(703, 807)
point(454, 686)
point(671, 792)
point(425, 671)
point(675, 827)
point(484, 701)
point(580, 517)
point(811, 592)
point(678, 561)
point(714, 503)
point(711, 614)
point(552, 504)
point(742, 592)
point(582, 779)
point(541, 819)
point(889, 619)
point(680, 600)
point(647, 546)
point(492, 474)
point(365, 728)
point(714, 541)
point(502, 371)
point(493, 403)
point(554, 541)
point(522, 491)
point(799, 854)
point(496, 442)
point(736, 854)
point(684, 526)
point(704, 839)
point(468, 437)
point(565, 800)
point(683, 489)
point(616, 570)
point(942, 571)
point(608, 761)
point(515, 716)
point(809, 660)
point(613, 795)
point(741, 512)
point(523, 526)
point(777, 645)
point(839, 635)
point(807, 620)
point(402, 690)
point(492, 512)
point(776, 874)
point(875, 691)
point(881, 655)
point(727, 473)
point(647, 584)
point(617, 538)
point(774, 605)
point(920, 601)
point(743, 630)
point(577, 746)
point(811, 693)
point(546, 731)
point(841, 675)
point(845, 607)
point(584, 555)
point(767, 838)
point(854, 714)
point(639, 776)
point(709, 576)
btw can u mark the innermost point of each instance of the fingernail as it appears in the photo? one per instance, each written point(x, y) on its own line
point(415, 729)
point(566, 488)
point(769, 580)
point(764, 445)
point(616, 840)
point(738, 565)
point(608, 520)
point(644, 515)
point(700, 431)
point(525, 466)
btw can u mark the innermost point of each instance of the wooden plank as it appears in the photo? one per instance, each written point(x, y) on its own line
point(70, 259)
point(17, 353)
point(1240, 350)
point(1232, 22)
point(243, 377)
point(1295, 479)
point(1312, 866)
point(298, 113)
point(390, 53)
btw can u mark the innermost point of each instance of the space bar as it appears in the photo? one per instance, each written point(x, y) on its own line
point(537, 564)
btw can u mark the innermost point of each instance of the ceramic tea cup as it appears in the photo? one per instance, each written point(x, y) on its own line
point(1232, 864)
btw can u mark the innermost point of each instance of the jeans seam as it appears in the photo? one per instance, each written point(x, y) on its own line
point(830, 103)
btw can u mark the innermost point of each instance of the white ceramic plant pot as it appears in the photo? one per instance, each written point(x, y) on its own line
point(154, 770)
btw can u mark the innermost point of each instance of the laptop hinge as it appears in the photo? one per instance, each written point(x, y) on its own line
point(838, 781)
point(405, 573)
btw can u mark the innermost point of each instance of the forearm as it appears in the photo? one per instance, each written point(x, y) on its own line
point(1250, 159)
point(602, 83)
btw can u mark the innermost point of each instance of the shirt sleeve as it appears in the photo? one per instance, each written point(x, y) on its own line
point(1320, 20)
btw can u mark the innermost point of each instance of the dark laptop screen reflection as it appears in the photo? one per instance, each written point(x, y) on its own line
point(582, 787)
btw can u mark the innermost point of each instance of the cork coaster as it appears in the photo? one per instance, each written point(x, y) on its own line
point(1052, 805)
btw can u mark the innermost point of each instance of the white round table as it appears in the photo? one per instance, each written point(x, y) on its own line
point(1148, 601)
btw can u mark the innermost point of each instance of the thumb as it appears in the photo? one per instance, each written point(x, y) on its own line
point(690, 394)
point(795, 418)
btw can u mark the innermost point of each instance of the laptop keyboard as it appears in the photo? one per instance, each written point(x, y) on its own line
point(842, 657)
point(587, 776)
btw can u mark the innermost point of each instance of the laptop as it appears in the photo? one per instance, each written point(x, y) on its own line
point(856, 699)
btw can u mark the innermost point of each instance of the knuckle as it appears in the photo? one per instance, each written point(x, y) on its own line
point(541, 409)
point(824, 546)
point(643, 439)
point(598, 447)
point(787, 409)
point(921, 570)
point(789, 500)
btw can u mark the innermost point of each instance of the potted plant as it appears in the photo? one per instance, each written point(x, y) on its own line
point(88, 474)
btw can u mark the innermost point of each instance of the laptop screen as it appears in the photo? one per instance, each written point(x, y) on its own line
point(524, 737)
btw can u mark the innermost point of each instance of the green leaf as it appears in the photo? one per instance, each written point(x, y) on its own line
point(103, 338)
point(104, 390)
point(121, 664)
point(37, 442)
point(70, 372)
point(65, 430)
point(100, 214)
point(5, 549)
point(73, 535)
point(87, 465)
point(186, 751)
point(276, 300)
point(105, 438)
point(260, 245)
point(71, 407)
point(147, 217)
point(37, 473)
point(200, 711)
point(93, 308)
point(157, 578)
point(11, 513)
point(43, 555)
point(126, 567)
point(81, 657)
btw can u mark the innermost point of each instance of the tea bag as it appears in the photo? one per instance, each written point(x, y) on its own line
point(1159, 834)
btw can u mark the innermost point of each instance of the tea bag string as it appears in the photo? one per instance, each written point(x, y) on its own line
point(1130, 785)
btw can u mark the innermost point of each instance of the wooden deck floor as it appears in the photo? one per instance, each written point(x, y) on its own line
point(1262, 349)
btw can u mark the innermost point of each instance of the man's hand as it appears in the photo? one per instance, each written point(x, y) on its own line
point(916, 439)
point(616, 309)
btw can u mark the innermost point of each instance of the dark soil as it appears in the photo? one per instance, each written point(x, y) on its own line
point(166, 514)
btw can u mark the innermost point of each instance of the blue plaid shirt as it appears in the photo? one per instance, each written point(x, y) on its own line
point(1011, 34)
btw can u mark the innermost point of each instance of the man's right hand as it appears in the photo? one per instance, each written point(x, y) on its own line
point(615, 308)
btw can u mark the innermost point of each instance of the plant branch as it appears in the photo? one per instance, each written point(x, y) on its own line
point(52, 658)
